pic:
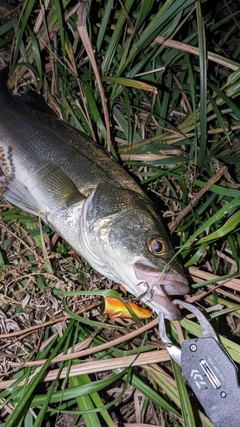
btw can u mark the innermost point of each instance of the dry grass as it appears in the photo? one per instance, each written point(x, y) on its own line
point(153, 73)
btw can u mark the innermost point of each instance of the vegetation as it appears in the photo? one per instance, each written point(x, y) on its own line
point(168, 109)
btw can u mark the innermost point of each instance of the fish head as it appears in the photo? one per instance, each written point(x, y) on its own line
point(129, 238)
point(142, 245)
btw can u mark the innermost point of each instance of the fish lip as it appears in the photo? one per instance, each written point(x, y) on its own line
point(144, 266)
point(159, 301)
point(160, 285)
point(171, 282)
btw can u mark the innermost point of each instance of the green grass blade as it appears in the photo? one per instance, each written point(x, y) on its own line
point(186, 406)
point(203, 87)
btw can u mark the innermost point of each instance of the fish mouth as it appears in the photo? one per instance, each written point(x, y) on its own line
point(160, 285)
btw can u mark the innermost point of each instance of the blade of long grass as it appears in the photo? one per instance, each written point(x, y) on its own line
point(29, 390)
point(203, 87)
point(104, 23)
point(111, 50)
point(186, 406)
point(73, 393)
point(85, 403)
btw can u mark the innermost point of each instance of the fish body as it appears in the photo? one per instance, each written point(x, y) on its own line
point(61, 175)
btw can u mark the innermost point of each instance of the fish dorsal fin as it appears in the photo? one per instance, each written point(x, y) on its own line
point(34, 100)
point(58, 185)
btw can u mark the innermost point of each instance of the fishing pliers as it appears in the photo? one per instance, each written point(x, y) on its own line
point(208, 369)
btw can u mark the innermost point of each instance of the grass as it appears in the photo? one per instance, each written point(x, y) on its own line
point(169, 73)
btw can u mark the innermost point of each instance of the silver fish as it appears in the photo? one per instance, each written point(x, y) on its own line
point(61, 175)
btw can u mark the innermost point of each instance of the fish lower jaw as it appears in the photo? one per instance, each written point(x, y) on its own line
point(161, 303)
point(156, 295)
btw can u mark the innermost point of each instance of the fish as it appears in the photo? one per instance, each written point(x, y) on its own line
point(60, 175)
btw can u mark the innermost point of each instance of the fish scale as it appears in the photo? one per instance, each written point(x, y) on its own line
point(61, 175)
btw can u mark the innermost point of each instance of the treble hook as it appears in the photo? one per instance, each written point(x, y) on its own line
point(148, 291)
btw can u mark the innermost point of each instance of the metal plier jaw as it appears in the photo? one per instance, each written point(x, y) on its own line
point(207, 330)
point(208, 369)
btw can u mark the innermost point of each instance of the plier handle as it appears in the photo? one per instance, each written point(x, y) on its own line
point(208, 369)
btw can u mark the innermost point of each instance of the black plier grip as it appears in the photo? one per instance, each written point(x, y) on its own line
point(208, 369)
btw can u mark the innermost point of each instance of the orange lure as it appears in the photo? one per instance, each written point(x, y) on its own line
point(115, 308)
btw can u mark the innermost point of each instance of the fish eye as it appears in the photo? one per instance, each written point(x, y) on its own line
point(157, 246)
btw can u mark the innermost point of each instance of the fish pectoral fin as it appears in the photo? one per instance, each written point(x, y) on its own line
point(17, 194)
point(58, 185)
